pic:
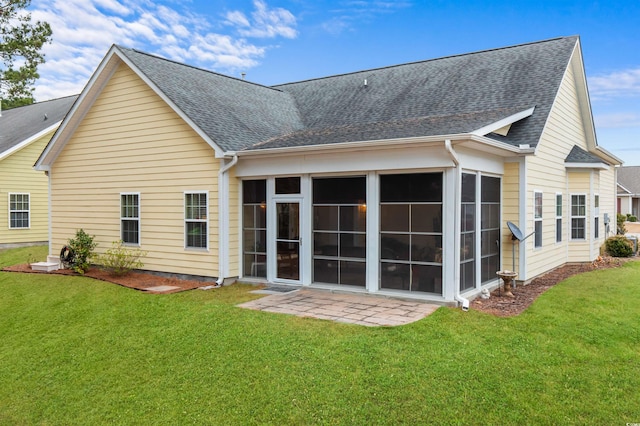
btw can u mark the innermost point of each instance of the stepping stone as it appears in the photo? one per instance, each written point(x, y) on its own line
point(161, 288)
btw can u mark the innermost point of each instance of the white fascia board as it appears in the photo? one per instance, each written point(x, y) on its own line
point(219, 153)
point(589, 166)
point(79, 109)
point(624, 189)
point(609, 156)
point(28, 141)
point(507, 121)
point(381, 143)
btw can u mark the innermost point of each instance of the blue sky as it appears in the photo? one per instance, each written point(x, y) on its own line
point(278, 41)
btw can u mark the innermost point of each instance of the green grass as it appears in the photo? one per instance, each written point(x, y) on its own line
point(79, 351)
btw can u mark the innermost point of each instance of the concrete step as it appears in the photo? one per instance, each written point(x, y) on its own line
point(53, 259)
point(45, 266)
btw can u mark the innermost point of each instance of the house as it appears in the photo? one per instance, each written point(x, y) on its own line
point(397, 180)
point(629, 190)
point(24, 132)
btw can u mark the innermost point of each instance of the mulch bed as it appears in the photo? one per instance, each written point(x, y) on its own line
point(135, 280)
point(525, 295)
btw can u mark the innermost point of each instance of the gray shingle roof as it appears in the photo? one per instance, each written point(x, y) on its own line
point(451, 95)
point(19, 124)
point(629, 177)
point(579, 155)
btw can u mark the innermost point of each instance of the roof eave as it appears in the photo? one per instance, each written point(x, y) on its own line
point(28, 141)
point(383, 143)
point(599, 166)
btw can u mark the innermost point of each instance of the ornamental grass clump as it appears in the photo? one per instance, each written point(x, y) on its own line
point(120, 260)
point(82, 247)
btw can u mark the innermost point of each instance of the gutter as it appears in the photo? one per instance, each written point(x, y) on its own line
point(464, 302)
point(223, 217)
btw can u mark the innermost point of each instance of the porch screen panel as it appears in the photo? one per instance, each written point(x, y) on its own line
point(490, 228)
point(254, 228)
point(340, 230)
point(468, 232)
point(411, 232)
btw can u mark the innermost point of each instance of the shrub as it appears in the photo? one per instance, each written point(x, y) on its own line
point(620, 219)
point(632, 218)
point(82, 246)
point(619, 246)
point(121, 260)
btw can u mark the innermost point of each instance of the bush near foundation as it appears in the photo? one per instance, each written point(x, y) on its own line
point(619, 246)
point(120, 260)
point(82, 247)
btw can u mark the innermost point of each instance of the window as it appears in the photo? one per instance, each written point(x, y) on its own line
point(537, 211)
point(254, 227)
point(287, 185)
point(468, 232)
point(18, 211)
point(195, 218)
point(558, 218)
point(578, 216)
point(411, 232)
point(130, 218)
point(596, 216)
point(490, 228)
point(340, 230)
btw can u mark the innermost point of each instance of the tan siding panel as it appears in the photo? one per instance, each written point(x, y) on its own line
point(131, 141)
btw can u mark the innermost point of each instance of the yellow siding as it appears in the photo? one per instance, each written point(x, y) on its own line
point(132, 141)
point(546, 171)
point(17, 176)
point(510, 206)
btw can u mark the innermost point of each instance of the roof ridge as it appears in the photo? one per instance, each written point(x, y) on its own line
point(425, 60)
point(195, 67)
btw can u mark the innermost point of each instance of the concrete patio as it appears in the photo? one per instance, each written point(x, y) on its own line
point(365, 310)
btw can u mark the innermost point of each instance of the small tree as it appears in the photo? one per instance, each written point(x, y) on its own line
point(121, 260)
point(82, 246)
point(21, 43)
point(620, 221)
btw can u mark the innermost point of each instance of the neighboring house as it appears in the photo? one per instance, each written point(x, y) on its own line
point(629, 190)
point(397, 180)
point(24, 133)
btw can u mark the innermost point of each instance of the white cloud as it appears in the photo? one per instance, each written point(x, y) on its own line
point(624, 83)
point(351, 12)
point(618, 120)
point(83, 31)
point(264, 22)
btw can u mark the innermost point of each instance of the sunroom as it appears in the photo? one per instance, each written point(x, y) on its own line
point(425, 232)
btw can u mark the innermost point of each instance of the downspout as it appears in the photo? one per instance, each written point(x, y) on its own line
point(223, 217)
point(464, 302)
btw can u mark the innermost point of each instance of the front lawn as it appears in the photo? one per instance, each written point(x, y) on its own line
point(79, 351)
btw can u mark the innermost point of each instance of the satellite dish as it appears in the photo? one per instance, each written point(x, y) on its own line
point(516, 233)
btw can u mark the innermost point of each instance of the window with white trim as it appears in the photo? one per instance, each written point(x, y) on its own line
point(578, 216)
point(130, 218)
point(596, 216)
point(196, 213)
point(558, 218)
point(19, 211)
point(537, 218)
